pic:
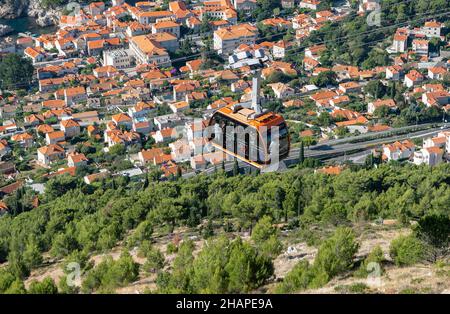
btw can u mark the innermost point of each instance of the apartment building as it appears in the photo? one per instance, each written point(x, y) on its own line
point(220, 10)
point(166, 27)
point(119, 58)
point(432, 29)
point(147, 50)
point(227, 39)
point(152, 16)
point(420, 46)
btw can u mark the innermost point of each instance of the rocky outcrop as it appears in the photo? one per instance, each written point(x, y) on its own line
point(44, 17)
point(5, 30)
point(12, 9)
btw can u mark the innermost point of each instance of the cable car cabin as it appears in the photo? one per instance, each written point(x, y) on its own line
point(257, 139)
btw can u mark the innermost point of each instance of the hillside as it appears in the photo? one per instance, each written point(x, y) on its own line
point(418, 278)
point(164, 226)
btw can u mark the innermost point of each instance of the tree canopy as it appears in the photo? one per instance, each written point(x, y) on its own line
point(15, 71)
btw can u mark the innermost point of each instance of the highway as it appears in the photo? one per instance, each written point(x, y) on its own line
point(391, 132)
point(333, 148)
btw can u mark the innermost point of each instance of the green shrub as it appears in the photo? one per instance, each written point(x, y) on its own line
point(110, 274)
point(143, 232)
point(265, 236)
point(408, 291)
point(375, 256)
point(65, 288)
point(335, 255)
point(297, 279)
point(246, 268)
point(334, 214)
point(407, 250)
point(155, 261)
point(319, 279)
point(6, 280)
point(171, 248)
point(46, 286)
point(222, 266)
point(16, 287)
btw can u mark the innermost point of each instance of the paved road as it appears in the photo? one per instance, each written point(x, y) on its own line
point(333, 147)
point(391, 132)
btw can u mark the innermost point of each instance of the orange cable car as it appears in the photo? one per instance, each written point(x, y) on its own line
point(244, 131)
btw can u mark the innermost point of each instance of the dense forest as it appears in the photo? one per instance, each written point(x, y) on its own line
point(74, 220)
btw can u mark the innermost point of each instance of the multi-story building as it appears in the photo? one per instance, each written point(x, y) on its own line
point(227, 39)
point(119, 58)
point(151, 17)
point(48, 154)
point(54, 137)
point(430, 156)
point(219, 9)
point(400, 43)
point(398, 150)
point(147, 50)
point(368, 5)
point(389, 103)
point(70, 128)
point(166, 27)
point(394, 72)
point(74, 95)
point(420, 46)
point(244, 5)
point(413, 78)
point(309, 4)
point(167, 40)
point(76, 160)
point(432, 29)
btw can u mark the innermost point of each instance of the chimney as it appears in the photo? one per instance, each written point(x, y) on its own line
point(255, 93)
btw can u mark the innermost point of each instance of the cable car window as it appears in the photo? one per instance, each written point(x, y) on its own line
point(247, 143)
point(219, 123)
point(230, 137)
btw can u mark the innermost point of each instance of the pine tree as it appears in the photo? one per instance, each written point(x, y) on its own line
point(32, 255)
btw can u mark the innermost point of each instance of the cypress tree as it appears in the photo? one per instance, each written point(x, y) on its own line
point(145, 185)
point(393, 91)
point(301, 157)
point(235, 168)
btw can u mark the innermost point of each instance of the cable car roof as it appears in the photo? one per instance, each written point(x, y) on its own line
point(247, 116)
